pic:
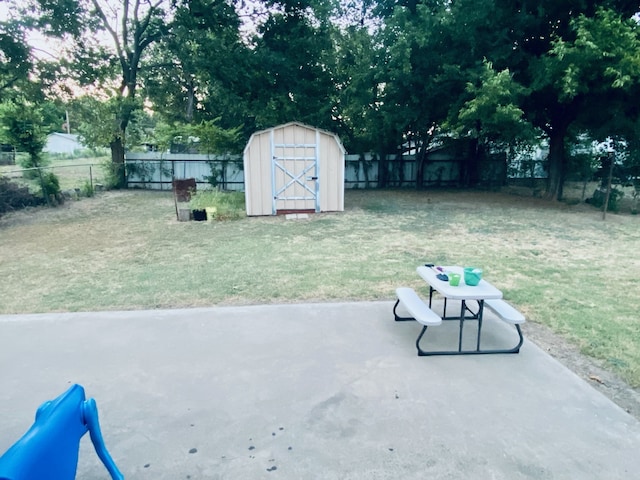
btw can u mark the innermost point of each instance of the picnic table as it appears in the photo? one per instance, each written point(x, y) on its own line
point(482, 295)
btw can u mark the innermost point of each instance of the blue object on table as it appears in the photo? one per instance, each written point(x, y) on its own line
point(49, 449)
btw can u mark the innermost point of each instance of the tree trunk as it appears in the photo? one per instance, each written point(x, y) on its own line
point(191, 95)
point(421, 155)
point(555, 180)
point(117, 162)
point(469, 164)
point(383, 171)
point(561, 117)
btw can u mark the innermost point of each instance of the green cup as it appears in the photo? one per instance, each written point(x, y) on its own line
point(454, 279)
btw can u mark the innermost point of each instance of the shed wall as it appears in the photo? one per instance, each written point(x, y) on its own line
point(331, 174)
point(257, 170)
point(261, 178)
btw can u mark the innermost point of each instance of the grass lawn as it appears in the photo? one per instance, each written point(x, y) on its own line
point(563, 266)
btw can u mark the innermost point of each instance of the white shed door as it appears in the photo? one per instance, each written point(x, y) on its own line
point(295, 177)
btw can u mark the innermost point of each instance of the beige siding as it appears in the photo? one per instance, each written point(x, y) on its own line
point(257, 174)
point(331, 161)
point(261, 177)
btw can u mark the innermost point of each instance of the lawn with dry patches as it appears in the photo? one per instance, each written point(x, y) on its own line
point(560, 264)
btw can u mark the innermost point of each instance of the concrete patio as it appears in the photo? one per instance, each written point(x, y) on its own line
point(309, 391)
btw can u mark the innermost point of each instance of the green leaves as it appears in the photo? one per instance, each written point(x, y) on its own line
point(214, 139)
point(22, 125)
point(294, 57)
point(386, 75)
point(99, 120)
point(15, 58)
point(61, 17)
point(492, 113)
point(602, 52)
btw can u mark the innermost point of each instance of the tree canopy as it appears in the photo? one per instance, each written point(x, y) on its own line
point(15, 58)
point(383, 74)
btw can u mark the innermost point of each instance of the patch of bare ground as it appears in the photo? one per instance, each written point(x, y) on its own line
point(587, 368)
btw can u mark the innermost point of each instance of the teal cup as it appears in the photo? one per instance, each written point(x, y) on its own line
point(472, 276)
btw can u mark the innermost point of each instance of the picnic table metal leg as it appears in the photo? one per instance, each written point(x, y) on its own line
point(397, 317)
point(515, 349)
point(463, 308)
point(425, 353)
point(421, 353)
point(480, 312)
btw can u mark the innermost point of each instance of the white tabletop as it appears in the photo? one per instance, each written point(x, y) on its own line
point(483, 291)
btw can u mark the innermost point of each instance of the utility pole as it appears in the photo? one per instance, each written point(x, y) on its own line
point(67, 122)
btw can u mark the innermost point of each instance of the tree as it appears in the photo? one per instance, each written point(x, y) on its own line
point(22, 125)
point(201, 71)
point(491, 117)
point(357, 89)
point(294, 55)
point(408, 69)
point(433, 51)
point(15, 59)
point(492, 113)
point(437, 47)
point(388, 75)
point(98, 120)
point(536, 62)
point(601, 68)
point(132, 27)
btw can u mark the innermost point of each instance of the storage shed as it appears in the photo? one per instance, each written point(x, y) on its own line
point(293, 168)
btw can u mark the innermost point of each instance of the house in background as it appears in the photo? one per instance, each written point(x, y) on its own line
point(63, 143)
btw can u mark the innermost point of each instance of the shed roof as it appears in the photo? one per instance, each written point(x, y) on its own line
point(299, 124)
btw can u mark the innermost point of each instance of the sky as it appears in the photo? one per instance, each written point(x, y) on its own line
point(4, 10)
point(45, 49)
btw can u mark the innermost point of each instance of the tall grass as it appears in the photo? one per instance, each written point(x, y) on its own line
point(222, 205)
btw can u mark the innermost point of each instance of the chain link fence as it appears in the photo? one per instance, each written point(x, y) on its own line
point(67, 179)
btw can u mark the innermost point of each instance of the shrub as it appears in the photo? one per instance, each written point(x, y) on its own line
point(15, 197)
point(50, 185)
point(112, 173)
point(600, 195)
point(87, 190)
point(227, 205)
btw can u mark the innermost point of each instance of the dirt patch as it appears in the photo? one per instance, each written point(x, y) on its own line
point(587, 368)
